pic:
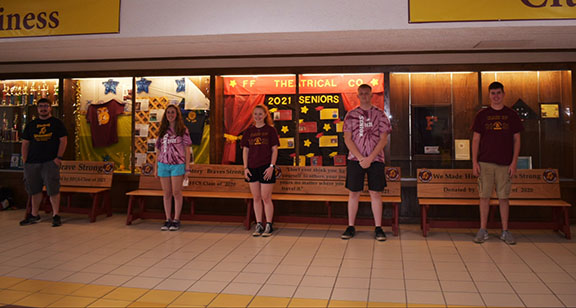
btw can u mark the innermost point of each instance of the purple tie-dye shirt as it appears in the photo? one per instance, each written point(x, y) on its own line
point(172, 148)
point(366, 127)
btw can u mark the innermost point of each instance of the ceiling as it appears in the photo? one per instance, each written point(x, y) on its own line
point(482, 44)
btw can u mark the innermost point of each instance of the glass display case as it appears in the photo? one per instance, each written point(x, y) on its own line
point(17, 108)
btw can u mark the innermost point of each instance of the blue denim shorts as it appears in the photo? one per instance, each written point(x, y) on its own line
point(166, 170)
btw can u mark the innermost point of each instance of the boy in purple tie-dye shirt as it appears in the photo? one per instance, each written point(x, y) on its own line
point(366, 130)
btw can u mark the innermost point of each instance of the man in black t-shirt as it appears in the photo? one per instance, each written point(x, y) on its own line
point(43, 143)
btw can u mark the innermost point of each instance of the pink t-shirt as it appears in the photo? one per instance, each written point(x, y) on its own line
point(172, 148)
point(366, 127)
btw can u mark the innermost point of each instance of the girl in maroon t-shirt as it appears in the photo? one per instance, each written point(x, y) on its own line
point(173, 157)
point(260, 151)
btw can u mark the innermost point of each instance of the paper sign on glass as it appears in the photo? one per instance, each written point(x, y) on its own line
point(340, 160)
point(308, 127)
point(316, 161)
point(462, 149)
point(283, 115)
point(328, 141)
point(329, 114)
point(286, 143)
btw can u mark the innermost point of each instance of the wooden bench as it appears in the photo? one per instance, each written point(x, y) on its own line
point(83, 177)
point(303, 184)
point(459, 187)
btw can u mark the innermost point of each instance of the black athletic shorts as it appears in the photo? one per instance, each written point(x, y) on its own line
point(258, 175)
point(355, 175)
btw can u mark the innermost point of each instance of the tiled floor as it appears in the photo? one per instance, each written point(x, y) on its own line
point(109, 264)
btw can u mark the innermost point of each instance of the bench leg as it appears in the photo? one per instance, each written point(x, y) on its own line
point(107, 204)
point(566, 225)
point(192, 207)
point(424, 223)
point(395, 226)
point(248, 218)
point(45, 203)
point(129, 216)
point(94, 209)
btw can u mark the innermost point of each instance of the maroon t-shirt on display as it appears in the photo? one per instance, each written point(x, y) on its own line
point(497, 129)
point(103, 122)
point(259, 141)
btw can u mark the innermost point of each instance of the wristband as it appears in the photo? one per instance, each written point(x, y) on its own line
point(272, 165)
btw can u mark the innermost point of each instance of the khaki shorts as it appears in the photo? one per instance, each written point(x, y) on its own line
point(493, 176)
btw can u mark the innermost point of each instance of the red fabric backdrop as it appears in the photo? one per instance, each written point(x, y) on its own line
point(237, 118)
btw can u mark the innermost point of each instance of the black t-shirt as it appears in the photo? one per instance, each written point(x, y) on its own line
point(44, 137)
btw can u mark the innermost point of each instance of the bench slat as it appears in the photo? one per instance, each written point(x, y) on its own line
point(513, 202)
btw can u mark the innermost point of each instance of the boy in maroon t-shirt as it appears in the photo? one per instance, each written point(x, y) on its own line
point(495, 150)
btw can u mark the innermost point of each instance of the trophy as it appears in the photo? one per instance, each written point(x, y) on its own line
point(18, 100)
point(25, 96)
point(4, 127)
point(33, 95)
point(44, 90)
point(15, 134)
point(9, 98)
point(55, 101)
point(4, 93)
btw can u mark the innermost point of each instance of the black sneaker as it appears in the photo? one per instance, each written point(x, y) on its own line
point(175, 225)
point(56, 221)
point(258, 230)
point(268, 231)
point(380, 235)
point(166, 225)
point(30, 220)
point(349, 233)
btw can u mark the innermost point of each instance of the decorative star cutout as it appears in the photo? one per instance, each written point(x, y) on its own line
point(110, 86)
point(327, 127)
point(284, 129)
point(180, 85)
point(310, 155)
point(307, 143)
point(374, 82)
point(333, 154)
point(142, 85)
point(272, 110)
point(304, 109)
point(232, 83)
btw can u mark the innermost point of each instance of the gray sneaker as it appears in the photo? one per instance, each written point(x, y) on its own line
point(508, 238)
point(481, 236)
point(258, 230)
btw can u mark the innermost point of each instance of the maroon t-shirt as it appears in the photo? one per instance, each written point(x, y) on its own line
point(259, 141)
point(497, 129)
point(103, 123)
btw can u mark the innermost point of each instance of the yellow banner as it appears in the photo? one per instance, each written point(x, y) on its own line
point(490, 10)
point(19, 18)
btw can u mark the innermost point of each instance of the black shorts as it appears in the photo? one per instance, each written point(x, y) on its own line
point(258, 175)
point(37, 175)
point(355, 175)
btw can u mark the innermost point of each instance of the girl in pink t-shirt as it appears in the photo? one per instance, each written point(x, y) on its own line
point(173, 157)
point(259, 153)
